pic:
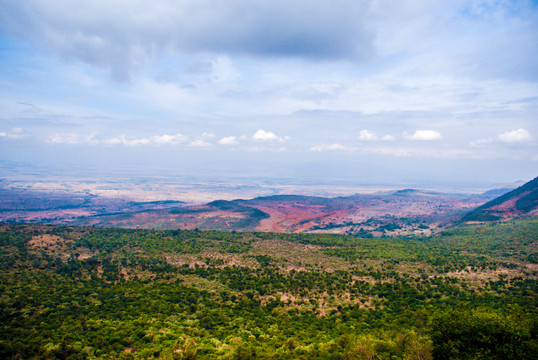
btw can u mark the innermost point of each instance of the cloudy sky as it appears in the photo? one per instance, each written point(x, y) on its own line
point(418, 91)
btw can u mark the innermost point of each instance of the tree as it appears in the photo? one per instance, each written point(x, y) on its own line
point(484, 334)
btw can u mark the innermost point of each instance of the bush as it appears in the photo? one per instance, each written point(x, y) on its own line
point(484, 335)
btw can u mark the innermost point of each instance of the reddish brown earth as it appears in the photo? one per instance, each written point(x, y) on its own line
point(389, 213)
point(508, 208)
point(398, 213)
point(369, 212)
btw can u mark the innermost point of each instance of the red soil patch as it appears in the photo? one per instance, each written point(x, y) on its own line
point(508, 208)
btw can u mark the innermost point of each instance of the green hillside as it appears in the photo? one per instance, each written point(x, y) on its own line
point(525, 199)
point(93, 293)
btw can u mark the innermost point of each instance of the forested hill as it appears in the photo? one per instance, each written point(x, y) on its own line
point(108, 293)
point(520, 202)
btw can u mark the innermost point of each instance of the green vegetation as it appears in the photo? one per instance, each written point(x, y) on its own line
point(251, 216)
point(88, 293)
point(483, 335)
point(526, 197)
point(251, 212)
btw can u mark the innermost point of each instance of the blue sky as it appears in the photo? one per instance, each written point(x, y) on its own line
point(330, 91)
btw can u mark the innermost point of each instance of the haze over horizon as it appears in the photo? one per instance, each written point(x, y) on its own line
point(410, 92)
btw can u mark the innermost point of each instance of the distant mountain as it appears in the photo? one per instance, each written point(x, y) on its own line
point(502, 188)
point(493, 193)
point(518, 203)
point(391, 213)
point(395, 213)
point(416, 192)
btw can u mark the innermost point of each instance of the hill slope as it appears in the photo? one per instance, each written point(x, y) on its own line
point(94, 293)
point(404, 212)
point(518, 203)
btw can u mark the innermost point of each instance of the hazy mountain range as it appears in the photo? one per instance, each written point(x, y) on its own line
point(384, 213)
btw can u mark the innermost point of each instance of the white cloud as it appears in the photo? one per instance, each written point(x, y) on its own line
point(366, 135)
point(118, 140)
point(200, 143)
point(228, 140)
point(423, 135)
point(168, 139)
point(207, 135)
point(519, 135)
point(264, 148)
point(135, 142)
point(427, 153)
point(328, 147)
point(15, 133)
point(72, 139)
point(263, 135)
point(481, 142)
point(387, 138)
point(154, 140)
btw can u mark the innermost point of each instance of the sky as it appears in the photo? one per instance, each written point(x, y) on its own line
point(329, 92)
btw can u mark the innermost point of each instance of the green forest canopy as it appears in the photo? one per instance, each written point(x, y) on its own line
point(85, 293)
